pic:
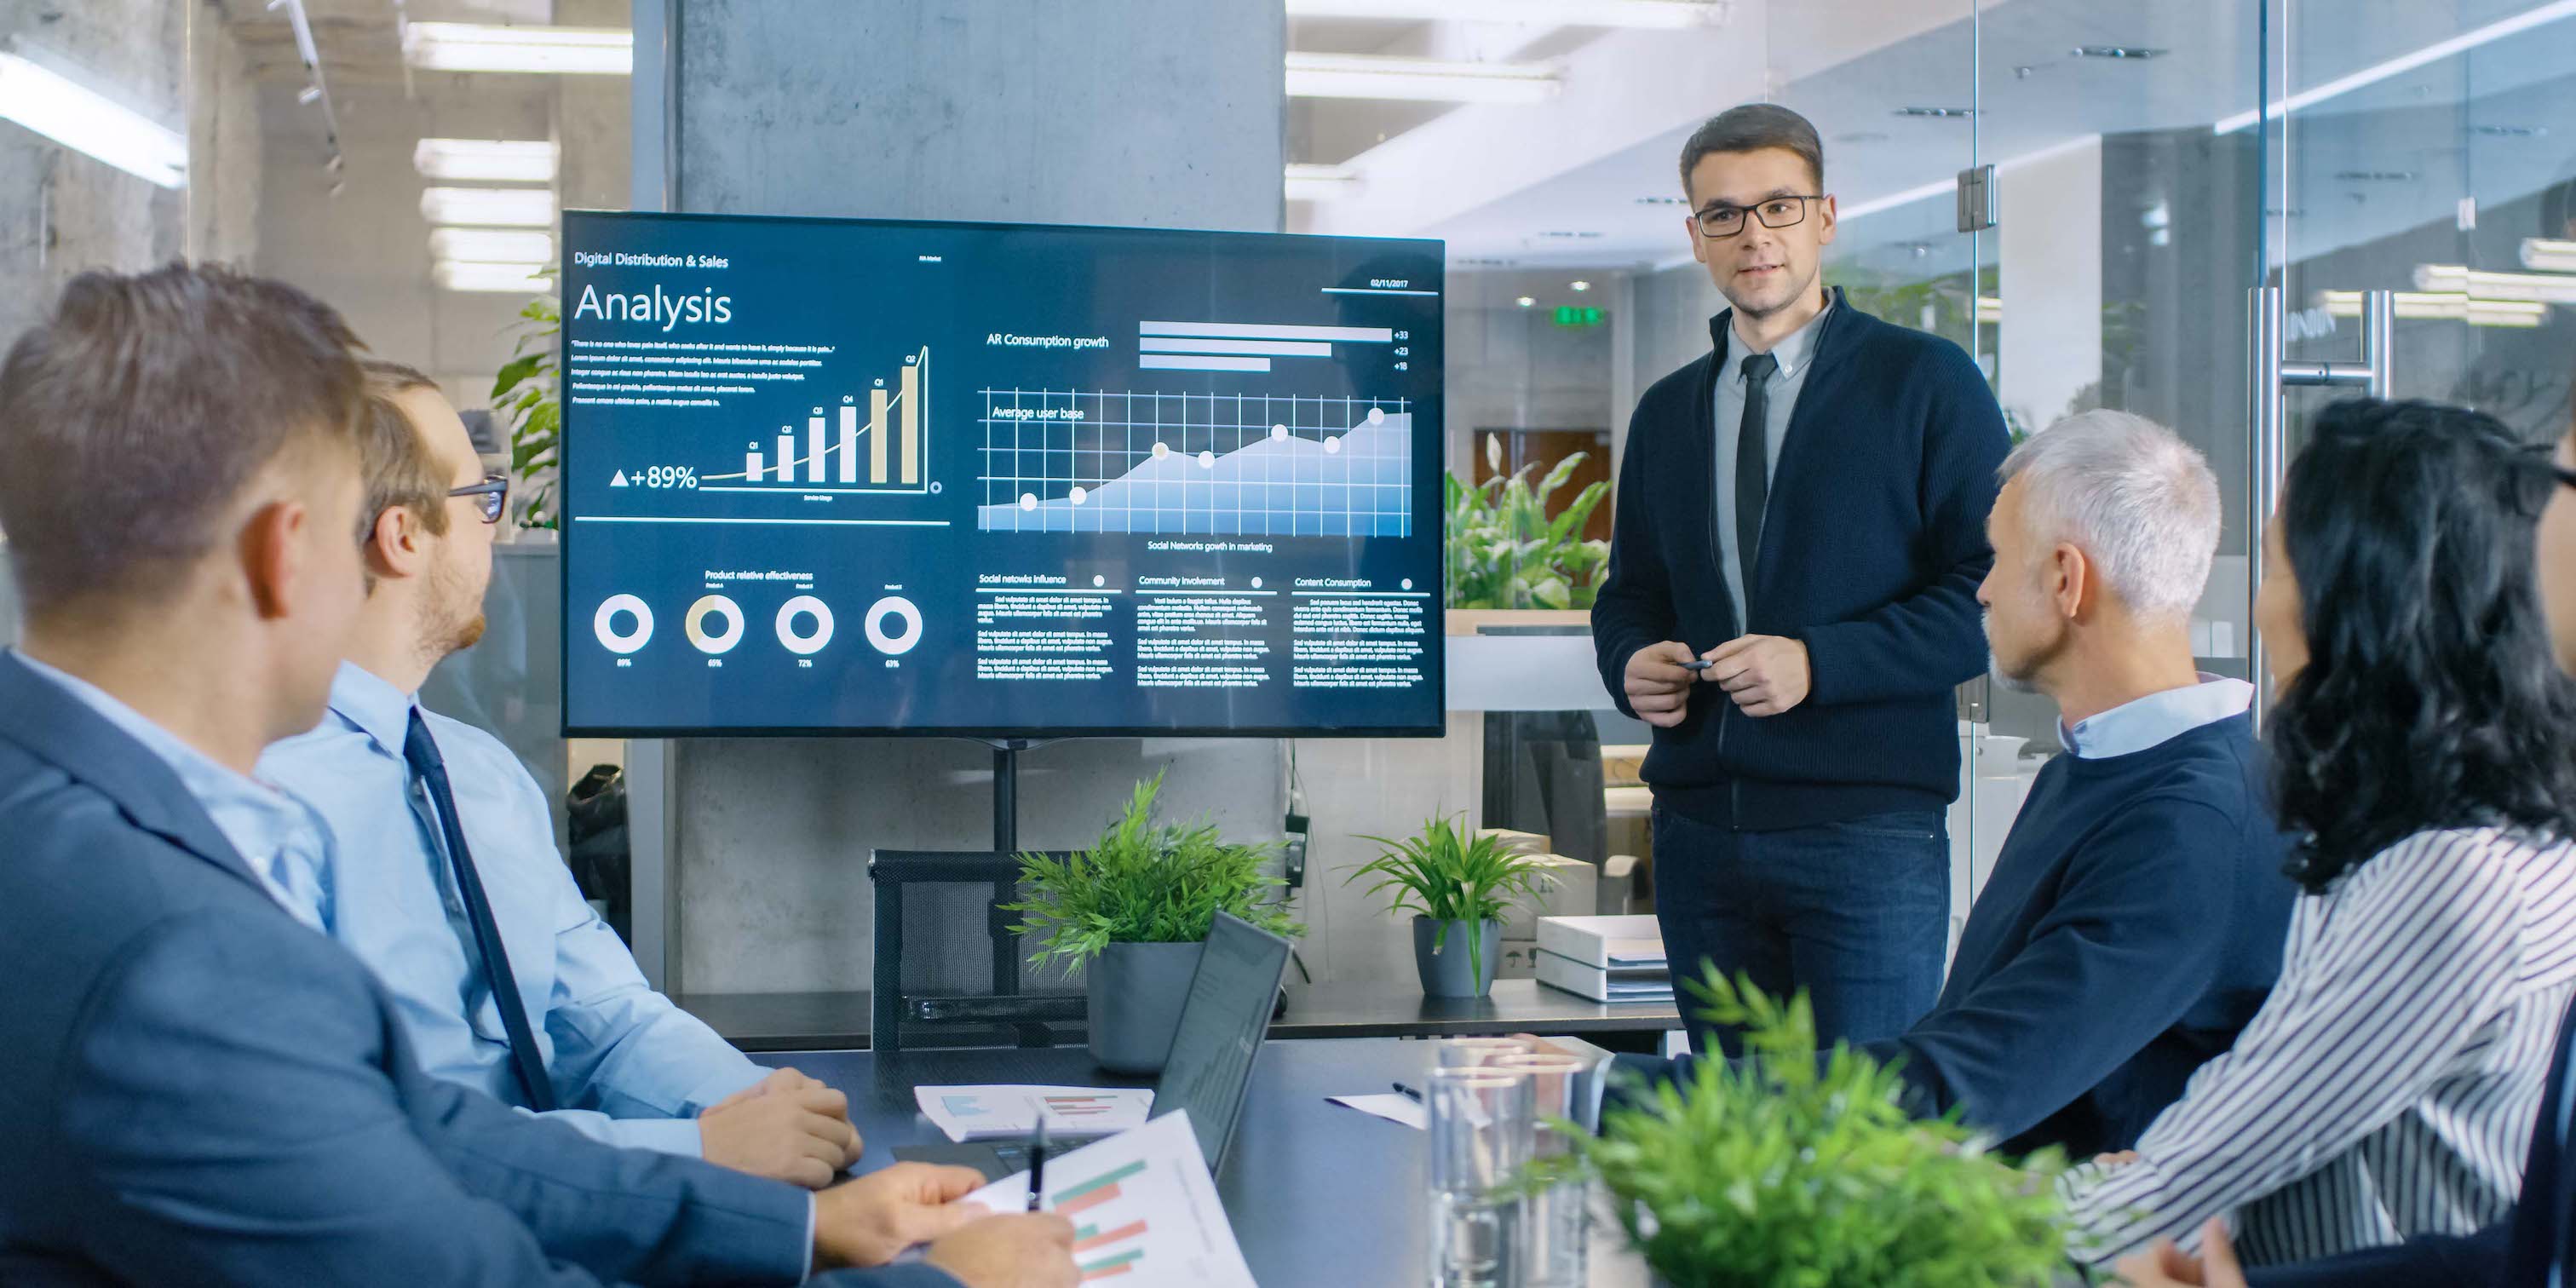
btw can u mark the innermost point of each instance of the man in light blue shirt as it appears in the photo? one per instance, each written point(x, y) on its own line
point(603, 1051)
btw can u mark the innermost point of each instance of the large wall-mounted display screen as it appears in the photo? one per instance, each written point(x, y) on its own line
point(859, 476)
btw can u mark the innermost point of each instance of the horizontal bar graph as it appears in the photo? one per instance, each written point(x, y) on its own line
point(1107, 1267)
point(1245, 346)
point(1077, 1199)
point(1091, 1237)
point(1199, 362)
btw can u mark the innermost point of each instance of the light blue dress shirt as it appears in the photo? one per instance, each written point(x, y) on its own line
point(631, 1068)
point(275, 833)
point(1780, 398)
point(2145, 722)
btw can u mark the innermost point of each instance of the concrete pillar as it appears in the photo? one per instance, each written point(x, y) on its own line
point(1161, 112)
point(62, 212)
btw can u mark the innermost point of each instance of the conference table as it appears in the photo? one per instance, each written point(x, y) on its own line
point(1318, 1194)
point(1366, 1008)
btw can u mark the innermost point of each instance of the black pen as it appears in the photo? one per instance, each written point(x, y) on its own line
point(1037, 1166)
point(1409, 1093)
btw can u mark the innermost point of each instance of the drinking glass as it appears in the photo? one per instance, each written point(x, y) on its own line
point(1559, 1217)
point(1481, 1138)
point(1450, 1053)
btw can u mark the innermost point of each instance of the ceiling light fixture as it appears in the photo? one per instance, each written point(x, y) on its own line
point(1320, 182)
point(2403, 63)
point(2534, 287)
point(1419, 79)
point(2549, 255)
point(514, 279)
point(1937, 113)
point(86, 121)
point(489, 207)
point(2117, 52)
point(492, 245)
point(473, 47)
point(1580, 285)
point(1663, 14)
point(1525, 301)
point(486, 160)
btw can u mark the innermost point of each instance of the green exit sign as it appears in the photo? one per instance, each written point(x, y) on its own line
point(1569, 315)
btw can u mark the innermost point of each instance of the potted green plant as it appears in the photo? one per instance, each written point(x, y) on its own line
point(1457, 886)
point(1504, 551)
point(525, 398)
point(1784, 1169)
point(1133, 912)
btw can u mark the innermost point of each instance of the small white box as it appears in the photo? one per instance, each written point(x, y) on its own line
point(1604, 943)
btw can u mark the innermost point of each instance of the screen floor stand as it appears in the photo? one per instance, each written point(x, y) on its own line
point(1006, 791)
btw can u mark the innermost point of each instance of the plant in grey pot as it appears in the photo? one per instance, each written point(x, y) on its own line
point(1783, 1168)
point(1457, 886)
point(1133, 911)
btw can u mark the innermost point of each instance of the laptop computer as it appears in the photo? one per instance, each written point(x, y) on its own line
point(1209, 1072)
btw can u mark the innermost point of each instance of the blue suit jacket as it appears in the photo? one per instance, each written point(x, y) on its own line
point(2515, 1253)
point(196, 1088)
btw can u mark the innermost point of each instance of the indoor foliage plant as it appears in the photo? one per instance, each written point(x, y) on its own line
point(1503, 551)
point(524, 397)
point(1457, 886)
point(1133, 912)
point(1784, 1170)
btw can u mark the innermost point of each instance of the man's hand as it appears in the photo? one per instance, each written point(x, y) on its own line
point(872, 1219)
point(2166, 1266)
point(1765, 674)
point(1028, 1250)
point(778, 1080)
point(1658, 686)
point(798, 1133)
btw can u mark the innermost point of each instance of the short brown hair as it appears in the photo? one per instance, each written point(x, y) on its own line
point(400, 469)
point(1751, 128)
point(133, 416)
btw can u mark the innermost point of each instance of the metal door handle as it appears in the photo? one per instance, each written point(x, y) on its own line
point(2374, 375)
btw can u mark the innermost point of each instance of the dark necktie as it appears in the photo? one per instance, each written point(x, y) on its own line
point(1752, 469)
point(420, 751)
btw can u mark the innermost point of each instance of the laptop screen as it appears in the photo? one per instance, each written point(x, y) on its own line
point(1221, 1028)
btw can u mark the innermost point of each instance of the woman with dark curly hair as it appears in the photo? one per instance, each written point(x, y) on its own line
point(2423, 752)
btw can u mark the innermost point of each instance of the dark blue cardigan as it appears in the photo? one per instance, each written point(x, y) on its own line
point(1873, 543)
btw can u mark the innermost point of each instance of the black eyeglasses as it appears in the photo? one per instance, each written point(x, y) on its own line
point(491, 496)
point(1783, 211)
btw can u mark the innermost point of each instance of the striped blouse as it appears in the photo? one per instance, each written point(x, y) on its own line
point(2387, 1087)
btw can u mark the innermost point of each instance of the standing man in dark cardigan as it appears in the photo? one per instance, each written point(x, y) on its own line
point(1802, 510)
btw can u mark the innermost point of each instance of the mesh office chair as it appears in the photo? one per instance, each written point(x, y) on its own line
point(949, 972)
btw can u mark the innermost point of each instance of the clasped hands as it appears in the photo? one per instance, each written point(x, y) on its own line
point(1763, 675)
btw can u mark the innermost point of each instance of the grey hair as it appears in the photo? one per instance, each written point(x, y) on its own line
point(2136, 499)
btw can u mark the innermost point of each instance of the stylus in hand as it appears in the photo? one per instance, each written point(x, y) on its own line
point(1037, 1167)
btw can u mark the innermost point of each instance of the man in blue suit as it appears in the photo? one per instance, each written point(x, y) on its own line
point(194, 1087)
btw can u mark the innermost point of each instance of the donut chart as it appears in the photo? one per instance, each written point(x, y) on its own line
point(895, 606)
point(604, 624)
point(694, 623)
point(804, 644)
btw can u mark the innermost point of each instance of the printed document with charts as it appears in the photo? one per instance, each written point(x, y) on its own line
point(1002, 1112)
point(1144, 1209)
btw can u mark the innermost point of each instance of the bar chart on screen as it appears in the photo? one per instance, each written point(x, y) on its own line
point(871, 442)
point(1226, 464)
point(1145, 1212)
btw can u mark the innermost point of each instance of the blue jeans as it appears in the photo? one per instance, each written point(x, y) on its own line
point(1857, 913)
